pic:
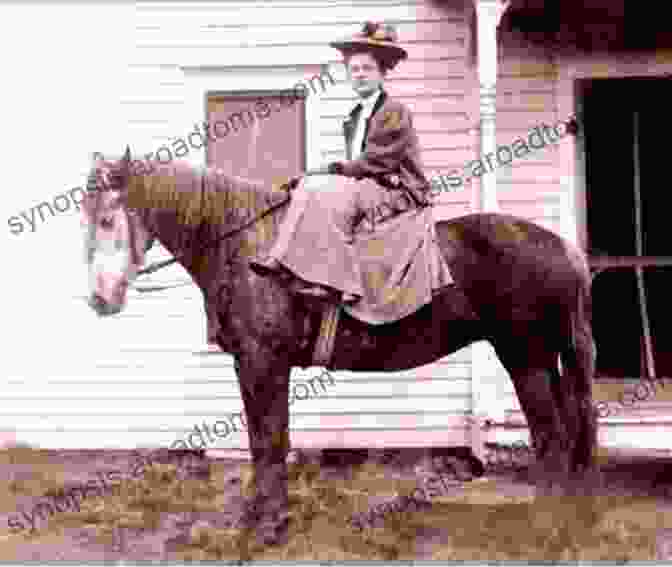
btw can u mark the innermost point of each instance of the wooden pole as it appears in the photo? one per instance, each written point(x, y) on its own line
point(648, 348)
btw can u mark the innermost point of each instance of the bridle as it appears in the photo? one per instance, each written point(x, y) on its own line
point(92, 186)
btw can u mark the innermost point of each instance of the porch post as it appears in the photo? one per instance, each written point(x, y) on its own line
point(486, 371)
point(488, 15)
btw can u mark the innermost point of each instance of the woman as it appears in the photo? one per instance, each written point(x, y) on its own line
point(381, 178)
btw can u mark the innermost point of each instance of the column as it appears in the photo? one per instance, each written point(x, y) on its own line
point(486, 369)
point(488, 15)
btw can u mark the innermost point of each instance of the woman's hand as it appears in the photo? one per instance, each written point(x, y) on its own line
point(292, 182)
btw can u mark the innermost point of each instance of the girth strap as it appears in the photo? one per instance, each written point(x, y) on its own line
point(324, 346)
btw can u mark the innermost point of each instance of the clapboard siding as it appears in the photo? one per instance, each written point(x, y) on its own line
point(526, 98)
point(130, 407)
point(150, 380)
point(431, 140)
point(175, 363)
point(453, 433)
point(308, 35)
point(223, 389)
point(147, 378)
point(262, 13)
point(420, 104)
point(443, 123)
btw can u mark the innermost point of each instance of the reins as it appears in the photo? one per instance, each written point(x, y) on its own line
point(154, 267)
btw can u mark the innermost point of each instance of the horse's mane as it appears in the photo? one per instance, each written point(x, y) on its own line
point(206, 195)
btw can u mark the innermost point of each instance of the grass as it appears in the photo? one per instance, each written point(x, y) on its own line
point(43, 475)
point(583, 530)
point(480, 523)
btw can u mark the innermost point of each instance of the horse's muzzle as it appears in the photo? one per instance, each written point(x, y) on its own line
point(102, 307)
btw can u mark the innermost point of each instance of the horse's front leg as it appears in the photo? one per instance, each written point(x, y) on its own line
point(264, 385)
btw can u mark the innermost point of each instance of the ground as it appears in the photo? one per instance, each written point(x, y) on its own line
point(169, 515)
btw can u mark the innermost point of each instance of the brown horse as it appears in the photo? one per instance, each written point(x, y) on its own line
point(519, 286)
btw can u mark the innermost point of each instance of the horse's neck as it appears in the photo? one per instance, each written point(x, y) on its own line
point(241, 207)
point(188, 206)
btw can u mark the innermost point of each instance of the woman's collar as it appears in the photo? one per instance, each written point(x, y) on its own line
point(380, 97)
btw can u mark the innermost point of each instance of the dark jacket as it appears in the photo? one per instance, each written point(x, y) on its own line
point(391, 151)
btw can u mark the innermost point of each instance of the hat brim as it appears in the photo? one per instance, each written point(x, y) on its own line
point(385, 48)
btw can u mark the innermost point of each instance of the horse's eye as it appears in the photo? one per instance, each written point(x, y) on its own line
point(107, 223)
point(116, 181)
point(91, 183)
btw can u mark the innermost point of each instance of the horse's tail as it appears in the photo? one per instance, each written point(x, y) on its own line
point(578, 363)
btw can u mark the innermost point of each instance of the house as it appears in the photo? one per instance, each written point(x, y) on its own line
point(480, 75)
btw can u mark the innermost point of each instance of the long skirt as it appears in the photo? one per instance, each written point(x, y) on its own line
point(326, 214)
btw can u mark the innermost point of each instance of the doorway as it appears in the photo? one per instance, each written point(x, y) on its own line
point(621, 117)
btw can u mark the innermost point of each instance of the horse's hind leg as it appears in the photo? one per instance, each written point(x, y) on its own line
point(578, 363)
point(574, 391)
point(567, 404)
point(529, 371)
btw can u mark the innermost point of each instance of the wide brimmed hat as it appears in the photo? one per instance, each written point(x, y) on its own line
point(377, 38)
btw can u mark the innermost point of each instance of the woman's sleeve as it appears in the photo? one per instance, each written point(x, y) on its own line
point(386, 146)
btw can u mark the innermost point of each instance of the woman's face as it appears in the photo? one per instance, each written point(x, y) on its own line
point(364, 74)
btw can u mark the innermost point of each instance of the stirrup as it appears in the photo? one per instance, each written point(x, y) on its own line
point(316, 291)
point(349, 298)
point(266, 266)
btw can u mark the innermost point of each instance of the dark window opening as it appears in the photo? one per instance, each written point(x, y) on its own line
point(608, 112)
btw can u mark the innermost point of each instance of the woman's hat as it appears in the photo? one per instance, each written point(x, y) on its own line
point(381, 39)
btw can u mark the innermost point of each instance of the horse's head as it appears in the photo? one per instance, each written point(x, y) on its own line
point(116, 236)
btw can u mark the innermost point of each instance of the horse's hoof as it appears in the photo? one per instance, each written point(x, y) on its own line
point(250, 515)
point(273, 532)
point(261, 527)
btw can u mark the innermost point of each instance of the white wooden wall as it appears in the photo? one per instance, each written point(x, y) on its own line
point(120, 73)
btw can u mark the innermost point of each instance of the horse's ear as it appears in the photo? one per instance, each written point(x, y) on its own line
point(126, 160)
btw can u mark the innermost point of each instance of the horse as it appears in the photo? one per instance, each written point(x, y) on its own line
point(518, 286)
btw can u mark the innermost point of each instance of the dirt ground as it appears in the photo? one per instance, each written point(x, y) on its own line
point(169, 515)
